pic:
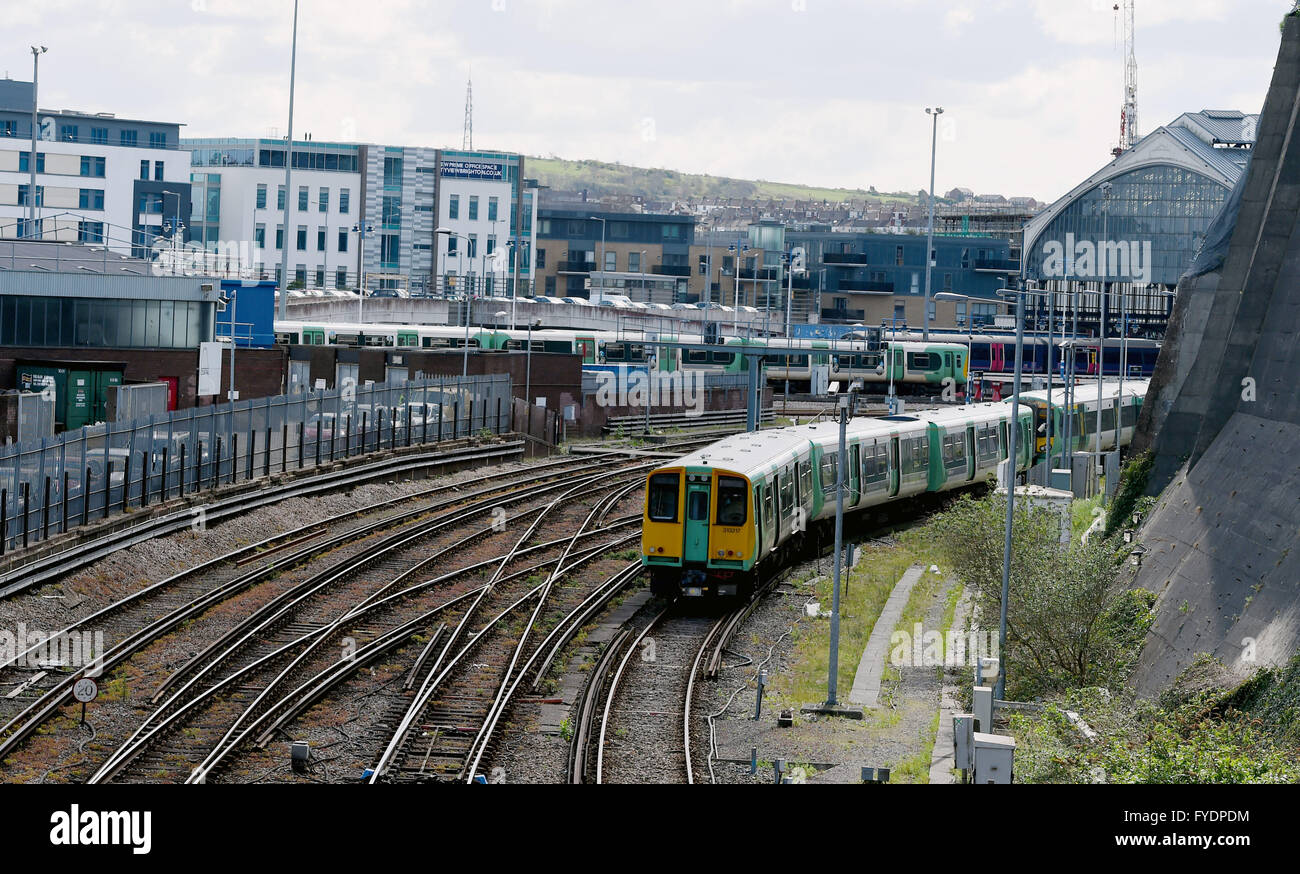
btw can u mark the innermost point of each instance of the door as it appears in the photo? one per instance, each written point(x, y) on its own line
point(855, 474)
point(587, 346)
point(893, 467)
point(970, 453)
point(173, 384)
point(697, 522)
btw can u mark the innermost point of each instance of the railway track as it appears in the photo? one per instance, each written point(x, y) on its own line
point(634, 721)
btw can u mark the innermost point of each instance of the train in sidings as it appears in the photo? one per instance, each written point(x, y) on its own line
point(715, 521)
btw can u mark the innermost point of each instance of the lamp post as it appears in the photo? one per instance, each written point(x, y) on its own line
point(360, 229)
point(37, 51)
point(1104, 250)
point(1012, 449)
point(929, 243)
point(288, 170)
point(737, 249)
point(469, 300)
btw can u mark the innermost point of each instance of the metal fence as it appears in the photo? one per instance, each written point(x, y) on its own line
point(35, 416)
point(127, 403)
point(46, 487)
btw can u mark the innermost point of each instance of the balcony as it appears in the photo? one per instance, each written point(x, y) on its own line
point(843, 315)
point(671, 270)
point(996, 265)
point(852, 258)
point(866, 285)
point(576, 266)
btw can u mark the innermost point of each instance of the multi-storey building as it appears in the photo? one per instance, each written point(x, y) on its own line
point(100, 179)
point(361, 212)
point(572, 244)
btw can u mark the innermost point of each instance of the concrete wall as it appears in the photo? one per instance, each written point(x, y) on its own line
point(1223, 545)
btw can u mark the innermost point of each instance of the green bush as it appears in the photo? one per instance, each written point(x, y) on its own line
point(1132, 486)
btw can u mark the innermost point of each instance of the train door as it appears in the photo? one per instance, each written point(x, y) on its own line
point(587, 346)
point(770, 523)
point(1004, 445)
point(855, 474)
point(760, 519)
point(999, 355)
point(970, 453)
point(696, 546)
point(893, 467)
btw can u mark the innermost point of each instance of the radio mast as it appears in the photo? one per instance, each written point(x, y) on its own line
point(467, 141)
point(1128, 113)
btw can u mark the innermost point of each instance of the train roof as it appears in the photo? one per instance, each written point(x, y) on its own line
point(1084, 393)
point(747, 453)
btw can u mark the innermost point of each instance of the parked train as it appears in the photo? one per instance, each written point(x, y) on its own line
point(715, 519)
point(917, 366)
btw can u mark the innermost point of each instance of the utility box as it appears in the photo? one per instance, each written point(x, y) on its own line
point(1110, 461)
point(995, 756)
point(984, 707)
point(963, 741)
point(821, 379)
point(1084, 476)
point(986, 671)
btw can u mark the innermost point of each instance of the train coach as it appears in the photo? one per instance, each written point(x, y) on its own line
point(718, 520)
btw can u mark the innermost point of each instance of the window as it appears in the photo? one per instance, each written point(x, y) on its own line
point(91, 198)
point(129, 139)
point(158, 171)
point(261, 196)
point(453, 207)
point(661, 506)
point(473, 208)
point(634, 262)
point(91, 165)
point(391, 211)
point(259, 235)
point(492, 209)
point(343, 239)
point(787, 494)
point(279, 238)
point(390, 253)
point(151, 204)
point(697, 506)
point(24, 196)
point(144, 170)
point(24, 165)
point(302, 198)
point(830, 473)
point(157, 140)
point(392, 172)
point(345, 198)
point(340, 278)
point(733, 493)
point(279, 197)
point(947, 282)
point(90, 232)
point(451, 245)
point(99, 136)
point(672, 232)
point(320, 276)
point(472, 248)
point(302, 238)
point(324, 203)
point(320, 247)
point(611, 262)
point(68, 133)
point(898, 256)
point(491, 244)
point(541, 259)
point(300, 274)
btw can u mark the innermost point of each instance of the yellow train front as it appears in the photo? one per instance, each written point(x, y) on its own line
point(698, 536)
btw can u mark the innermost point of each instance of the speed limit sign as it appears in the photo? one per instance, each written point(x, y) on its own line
point(85, 690)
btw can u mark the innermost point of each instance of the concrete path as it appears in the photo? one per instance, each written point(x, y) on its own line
point(866, 682)
point(941, 762)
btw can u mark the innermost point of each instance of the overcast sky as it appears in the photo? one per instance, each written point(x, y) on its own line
point(823, 92)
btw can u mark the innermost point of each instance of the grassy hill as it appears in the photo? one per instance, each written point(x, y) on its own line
point(601, 179)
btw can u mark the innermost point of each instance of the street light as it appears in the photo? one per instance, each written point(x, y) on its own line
point(37, 51)
point(288, 170)
point(360, 229)
point(1104, 251)
point(737, 249)
point(469, 300)
point(603, 225)
point(929, 244)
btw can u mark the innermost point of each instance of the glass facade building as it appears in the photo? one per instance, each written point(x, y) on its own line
point(53, 322)
point(1166, 206)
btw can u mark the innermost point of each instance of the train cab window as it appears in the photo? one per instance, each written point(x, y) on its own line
point(662, 500)
point(697, 506)
point(733, 497)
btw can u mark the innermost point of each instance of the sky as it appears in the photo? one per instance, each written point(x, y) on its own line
point(821, 92)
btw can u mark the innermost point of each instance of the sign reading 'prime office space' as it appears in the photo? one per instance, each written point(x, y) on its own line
point(472, 170)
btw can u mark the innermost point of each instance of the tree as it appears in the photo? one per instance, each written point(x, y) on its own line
point(1069, 623)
